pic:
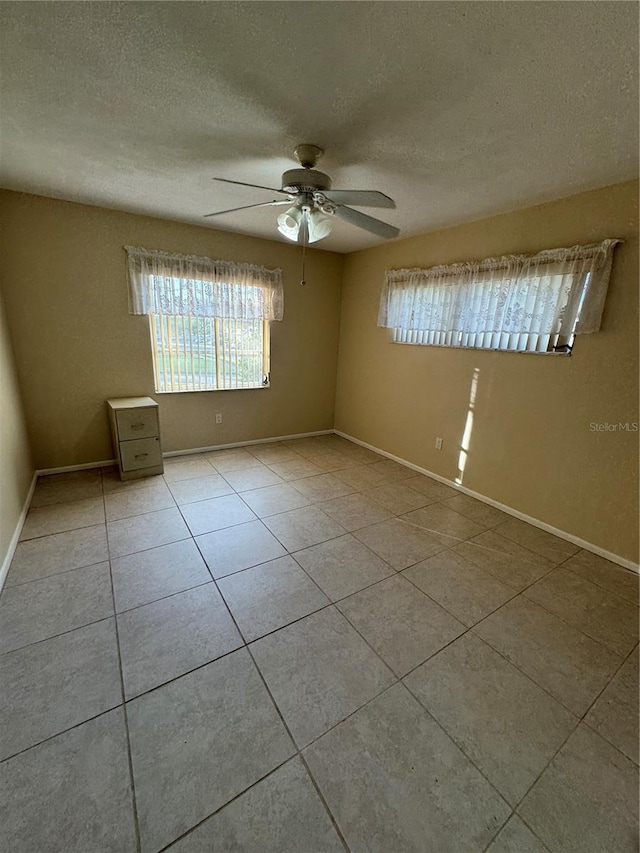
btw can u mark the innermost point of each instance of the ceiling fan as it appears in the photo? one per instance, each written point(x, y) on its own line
point(312, 203)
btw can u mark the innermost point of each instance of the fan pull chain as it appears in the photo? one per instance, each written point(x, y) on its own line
point(304, 255)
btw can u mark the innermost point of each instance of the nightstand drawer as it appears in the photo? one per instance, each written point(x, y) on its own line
point(140, 453)
point(137, 423)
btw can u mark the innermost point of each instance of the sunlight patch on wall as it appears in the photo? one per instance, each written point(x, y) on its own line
point(465, 444)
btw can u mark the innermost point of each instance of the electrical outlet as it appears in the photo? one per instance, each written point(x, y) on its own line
point(218, 418)
point(438, 444)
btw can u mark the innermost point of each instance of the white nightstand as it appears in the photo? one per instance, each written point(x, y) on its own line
point(135, 430)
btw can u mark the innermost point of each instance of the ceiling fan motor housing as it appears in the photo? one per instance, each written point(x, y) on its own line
point(299, 180)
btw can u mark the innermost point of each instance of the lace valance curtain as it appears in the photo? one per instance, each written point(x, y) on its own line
point(559, 292)
point(184, 285)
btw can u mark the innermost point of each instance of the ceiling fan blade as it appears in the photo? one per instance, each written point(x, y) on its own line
point(246, 207)
point(360, 198)
point(361, 220)
point(255, 186)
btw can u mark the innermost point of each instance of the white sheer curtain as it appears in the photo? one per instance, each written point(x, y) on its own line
point(184, 285)
point(518, 302)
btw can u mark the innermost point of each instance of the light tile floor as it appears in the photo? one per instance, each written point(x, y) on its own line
point(301, 647)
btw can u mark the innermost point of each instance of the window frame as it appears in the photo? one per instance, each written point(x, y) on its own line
point(216, 322)
point(562, 349)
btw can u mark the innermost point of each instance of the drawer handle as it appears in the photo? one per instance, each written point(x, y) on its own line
point(140, 455)
point(137, 426)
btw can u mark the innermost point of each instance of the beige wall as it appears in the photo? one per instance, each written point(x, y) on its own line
point(76, 344)
point(531, 446)
point(16, 470)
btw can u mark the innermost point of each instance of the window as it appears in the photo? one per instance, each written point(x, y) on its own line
point(208, 353)
point(209, 320)
point(518, 303)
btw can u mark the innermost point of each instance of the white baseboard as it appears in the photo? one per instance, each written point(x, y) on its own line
point(247, 443)
point(13, 544)
point(85, 466)
point(569, 537)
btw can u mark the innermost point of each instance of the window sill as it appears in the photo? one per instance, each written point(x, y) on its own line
point(213, 390)
point(479, 349)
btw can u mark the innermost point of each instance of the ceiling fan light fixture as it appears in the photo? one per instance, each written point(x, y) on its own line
point(289, 223)
point(320, 225)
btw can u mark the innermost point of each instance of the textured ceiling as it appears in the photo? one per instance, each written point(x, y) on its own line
point(457, 110)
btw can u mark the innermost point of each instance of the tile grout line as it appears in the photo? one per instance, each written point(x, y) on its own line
point(56, 574)
point(544, 770)
point(570, 624)
point(470, 630)
point(291, 555)
point(224, 805)
point(600, 586)
point(580, 720)
point(471, 761)
point(446, 609)
point(297, 748)
point(59, 532)
point(513, 808)
point(497, 833)
point(544, 848)
point(59, 634)
point(134, 803)
point(191, 535)
point(335, 601)
point(530, 550)
point(542, 607)
point(469, 540)
point(532, 831)
point(522, 671)
point(586, 713)
point(153, 547)
point(324, 802)
point(57, 734)
point(245, 643)
point(275, 536)
point(124, 610)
